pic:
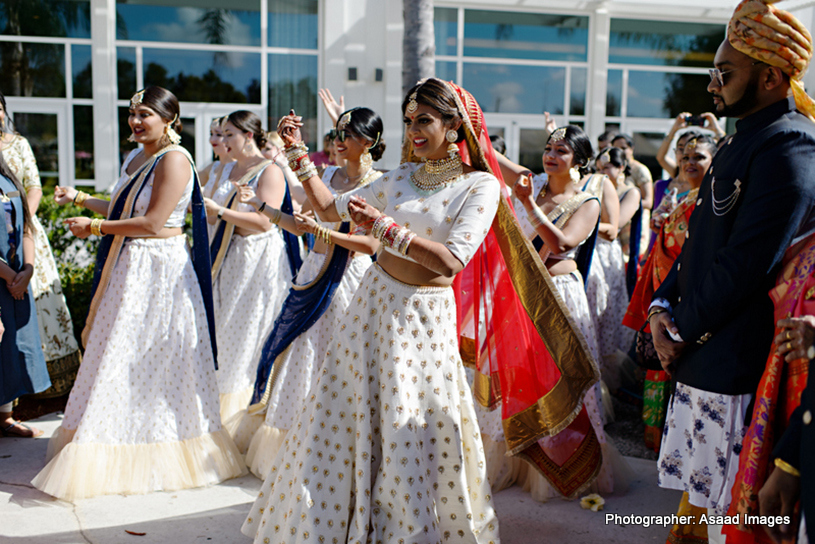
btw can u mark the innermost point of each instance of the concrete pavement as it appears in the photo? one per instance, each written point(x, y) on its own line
point(215, 514)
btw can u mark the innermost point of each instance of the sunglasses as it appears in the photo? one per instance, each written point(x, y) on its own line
point(340, 135)
point(717, 76)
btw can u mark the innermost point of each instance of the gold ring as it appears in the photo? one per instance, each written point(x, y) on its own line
point(789, 336)
point(789, 346)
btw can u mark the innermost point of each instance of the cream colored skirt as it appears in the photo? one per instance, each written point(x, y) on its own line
point(143, 413)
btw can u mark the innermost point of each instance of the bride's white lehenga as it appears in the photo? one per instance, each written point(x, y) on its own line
point(143, 413)
point(505, 471)
point(248, 292)
point(387, 446)
point(296, 369)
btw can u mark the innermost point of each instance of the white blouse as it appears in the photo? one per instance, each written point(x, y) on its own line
point(225, 187)
point(458, 215)
point(176, 218)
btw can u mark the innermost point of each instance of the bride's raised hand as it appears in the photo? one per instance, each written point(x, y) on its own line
point(289, 129)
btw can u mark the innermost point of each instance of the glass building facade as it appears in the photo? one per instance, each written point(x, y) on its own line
point(69, 68)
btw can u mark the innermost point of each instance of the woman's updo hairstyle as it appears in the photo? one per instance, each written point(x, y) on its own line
point(580, 144)
point(704, 140)
point(616, 156)
point(246, 121)
point(367, 124)
point(438, 95)
point(164, 103)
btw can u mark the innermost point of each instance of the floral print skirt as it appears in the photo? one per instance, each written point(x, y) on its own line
point(701, 445)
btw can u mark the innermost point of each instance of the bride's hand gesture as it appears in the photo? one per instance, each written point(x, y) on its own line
point(289, 129)
point(362, 213)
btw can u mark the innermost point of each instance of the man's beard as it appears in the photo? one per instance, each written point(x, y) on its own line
point(746, 103)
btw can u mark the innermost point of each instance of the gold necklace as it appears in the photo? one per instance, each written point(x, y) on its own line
point(435, 174)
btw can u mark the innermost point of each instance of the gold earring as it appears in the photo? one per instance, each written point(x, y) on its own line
point(366, 161)
point(452, 136)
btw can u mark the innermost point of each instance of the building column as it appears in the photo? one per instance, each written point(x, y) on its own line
point(105, 116)
point(599, 35)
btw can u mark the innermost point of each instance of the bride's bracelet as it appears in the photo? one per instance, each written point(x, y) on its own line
point(392, 235)
point(299, 162)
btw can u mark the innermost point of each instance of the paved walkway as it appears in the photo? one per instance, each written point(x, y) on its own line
point(215, 514)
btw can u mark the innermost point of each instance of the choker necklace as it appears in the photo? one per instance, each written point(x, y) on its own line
point(435, 174)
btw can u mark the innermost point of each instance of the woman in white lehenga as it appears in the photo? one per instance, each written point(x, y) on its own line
point(143, 414)
point(62, 355)
point(292, 373)
point(251, 263)
point(387, 443)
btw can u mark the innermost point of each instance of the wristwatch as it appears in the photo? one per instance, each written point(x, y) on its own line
point(221, 212)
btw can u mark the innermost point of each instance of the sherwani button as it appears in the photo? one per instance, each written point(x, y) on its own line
point(807, 417)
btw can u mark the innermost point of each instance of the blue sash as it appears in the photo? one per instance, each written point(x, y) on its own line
point(121, 207)
point(634, 252)
point(304, 305)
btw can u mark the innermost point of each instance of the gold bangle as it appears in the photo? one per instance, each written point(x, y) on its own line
point(786, 467)
point(656, 310)
point(276, 216)
point(80, 198)
point(96, 227)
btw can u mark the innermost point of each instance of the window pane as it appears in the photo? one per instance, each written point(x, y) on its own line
point(655, 94)
point(530, 154)
point(82, 69)
point(32, 69)
point(126, 71)
point(83, 141)
point(525, 35)
point(614, 93)
point(190, 21)
point(577, 100)
point(446, 70)
point(293, 85)
point(293, 23)
point(41, 131)
point(445, 23)
point(200, 76)
point(53, 18)
point(509, 89)
point(125, 147)
point(664, 43)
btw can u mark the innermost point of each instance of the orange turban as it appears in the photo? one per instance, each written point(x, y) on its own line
point(774, 36)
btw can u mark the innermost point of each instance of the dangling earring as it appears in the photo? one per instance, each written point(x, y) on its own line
point(173, 136)
point(366, 161)
point(452, 136)
point(574, 174)
point(131, 138)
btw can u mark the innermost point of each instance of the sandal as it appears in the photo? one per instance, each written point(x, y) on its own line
point(7, 431)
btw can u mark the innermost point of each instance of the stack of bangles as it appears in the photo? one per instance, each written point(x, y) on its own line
point(392, 235)
point(96, 227)
point(79, 198)
point(299, 162)
point(323, 233)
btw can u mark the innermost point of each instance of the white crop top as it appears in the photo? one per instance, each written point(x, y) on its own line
point(538, 182)
point(459, 215)
point(176, 218)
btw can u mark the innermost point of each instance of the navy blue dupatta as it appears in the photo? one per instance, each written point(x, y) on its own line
point(304, 305)
point(632, 269)
point(121, 207)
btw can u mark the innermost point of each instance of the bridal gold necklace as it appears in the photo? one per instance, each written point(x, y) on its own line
point(436, 174)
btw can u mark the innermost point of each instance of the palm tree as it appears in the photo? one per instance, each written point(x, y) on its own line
point(419, 43)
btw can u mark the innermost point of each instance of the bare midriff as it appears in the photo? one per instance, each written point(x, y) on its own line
point(410, 272)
